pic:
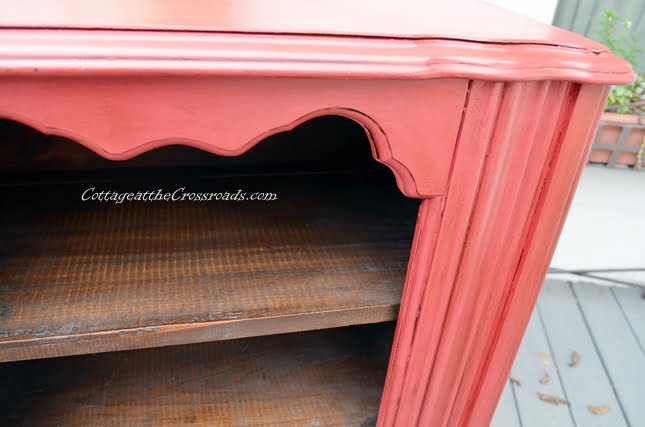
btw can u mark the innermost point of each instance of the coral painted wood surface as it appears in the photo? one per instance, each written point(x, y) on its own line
point(489, 124)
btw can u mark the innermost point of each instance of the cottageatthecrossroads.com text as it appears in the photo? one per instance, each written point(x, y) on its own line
point(177, 195)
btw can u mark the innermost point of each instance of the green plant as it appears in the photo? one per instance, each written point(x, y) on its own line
point(618, 35)
point(626, 99)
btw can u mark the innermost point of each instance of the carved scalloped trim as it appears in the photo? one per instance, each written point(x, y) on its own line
point(99, 52)
point(376, 136)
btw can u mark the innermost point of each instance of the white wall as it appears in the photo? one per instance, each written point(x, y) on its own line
point(605, 228)
point(542, 10)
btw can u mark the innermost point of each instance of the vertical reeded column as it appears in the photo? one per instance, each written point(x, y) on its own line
point(481, 251)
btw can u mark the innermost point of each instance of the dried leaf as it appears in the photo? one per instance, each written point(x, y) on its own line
point(598, 409)
point(545, 378)
point(575, 359)
point(554, 400)
point(544, 356)
point(515, 381)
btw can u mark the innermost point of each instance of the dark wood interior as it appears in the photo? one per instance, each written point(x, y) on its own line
point(82, 277)
point(320, 378)
point(79, 277)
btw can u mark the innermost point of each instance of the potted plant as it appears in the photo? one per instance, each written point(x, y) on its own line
point(621, 134)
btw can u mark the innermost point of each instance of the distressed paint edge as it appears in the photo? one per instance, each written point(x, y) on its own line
point(65, 52)
point(378, 140)
point(545, 227)
point(442, 224)
point(560, 172)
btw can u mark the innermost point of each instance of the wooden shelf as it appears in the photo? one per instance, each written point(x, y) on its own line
point(320, 378)
point(83, 277)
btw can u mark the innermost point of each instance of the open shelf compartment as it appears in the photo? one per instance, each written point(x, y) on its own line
point(87, 276)
point(318, 378)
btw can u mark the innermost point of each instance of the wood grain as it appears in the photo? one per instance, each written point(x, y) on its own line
point(80, 277)
point(321, 378)
point(490, 127)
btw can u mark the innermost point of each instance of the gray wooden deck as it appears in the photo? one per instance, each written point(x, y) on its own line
point(606, 328)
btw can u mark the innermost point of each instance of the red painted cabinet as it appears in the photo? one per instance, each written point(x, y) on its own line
point(484, 118)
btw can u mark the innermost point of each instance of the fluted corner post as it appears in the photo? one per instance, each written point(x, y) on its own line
point(481, 251)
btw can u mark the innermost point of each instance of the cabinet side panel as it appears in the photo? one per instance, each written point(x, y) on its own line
point(561, 175)
point(470, 292)
point(441, 229)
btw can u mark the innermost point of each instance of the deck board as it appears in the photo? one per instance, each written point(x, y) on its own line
point(533, 361)
point(588, 382)
point(507, 412)
point(632, 302)
point(618, 348)
point(606, 325)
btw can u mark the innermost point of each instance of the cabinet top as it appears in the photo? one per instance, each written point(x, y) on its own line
point(412, 19)
point(480, 25)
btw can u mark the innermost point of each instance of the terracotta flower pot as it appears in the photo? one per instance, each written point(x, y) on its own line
point(619, 140)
